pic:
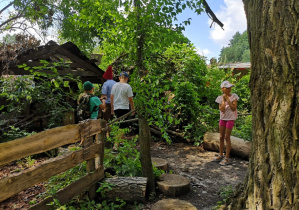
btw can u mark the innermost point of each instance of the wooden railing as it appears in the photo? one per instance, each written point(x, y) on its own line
point(92, 151)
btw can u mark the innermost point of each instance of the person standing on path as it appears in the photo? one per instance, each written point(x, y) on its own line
point(228, 114)
point(106, 92)
point(94, 102)
point(121, 99)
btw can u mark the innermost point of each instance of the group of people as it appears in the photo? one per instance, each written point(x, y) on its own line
point(117, 98)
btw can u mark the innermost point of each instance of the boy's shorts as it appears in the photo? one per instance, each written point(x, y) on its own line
point(120, 112)
point(227, 123)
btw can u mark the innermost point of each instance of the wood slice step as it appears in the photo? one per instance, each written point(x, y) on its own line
point(173, 204)
point(160, 163)
point(174, 185)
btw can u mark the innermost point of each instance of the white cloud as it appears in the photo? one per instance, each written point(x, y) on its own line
point(203, 52)
point(233, 17)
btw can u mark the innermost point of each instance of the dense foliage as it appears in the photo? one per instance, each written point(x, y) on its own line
point(44, 94)
point(237, 50)
point(175, 92)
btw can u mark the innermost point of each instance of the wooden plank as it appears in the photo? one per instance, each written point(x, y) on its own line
point(46, 140)
point(16, 183)
point(73, 189)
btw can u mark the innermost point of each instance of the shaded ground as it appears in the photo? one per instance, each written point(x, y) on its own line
point(193, 162)
point(206, 177)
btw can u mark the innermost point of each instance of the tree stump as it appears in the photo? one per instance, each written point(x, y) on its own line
point(127, 188)
point(173, 204)
point(174, 185)
point(160, 163)
point(240, 148)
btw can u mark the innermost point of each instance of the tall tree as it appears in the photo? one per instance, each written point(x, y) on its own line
point(237, 49)
point(24, 14)
point(272, 180)
point(142, 28)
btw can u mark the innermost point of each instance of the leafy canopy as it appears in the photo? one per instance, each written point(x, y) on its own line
point(88, 23)
point(237, 50)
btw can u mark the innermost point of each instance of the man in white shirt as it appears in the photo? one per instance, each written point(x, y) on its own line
point(121, 98)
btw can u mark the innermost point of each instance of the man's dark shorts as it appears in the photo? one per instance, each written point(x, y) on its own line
point(120, 112)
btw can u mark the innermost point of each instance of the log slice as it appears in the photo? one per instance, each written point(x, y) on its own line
point(173, 204)
point(174, 185)
point(160, 163)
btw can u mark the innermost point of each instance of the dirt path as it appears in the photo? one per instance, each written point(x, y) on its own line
point(206, 177)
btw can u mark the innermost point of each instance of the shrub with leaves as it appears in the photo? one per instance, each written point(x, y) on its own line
point(48, 95)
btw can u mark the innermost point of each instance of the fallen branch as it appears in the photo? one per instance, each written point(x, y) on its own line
point(16, 122)
point(126, 121)
point(35, 120)
point(120, 118)
point(181, 135)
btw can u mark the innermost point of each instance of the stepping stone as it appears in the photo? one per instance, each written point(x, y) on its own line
point(160, 163)
point(174, 185)
point(173, 204)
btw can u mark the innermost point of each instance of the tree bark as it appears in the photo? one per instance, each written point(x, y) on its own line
point(127, 188)
point(144, 130)
point(145, 155)
point(272, 180)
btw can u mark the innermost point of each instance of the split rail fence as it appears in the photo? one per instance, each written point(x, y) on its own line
point(92, 152)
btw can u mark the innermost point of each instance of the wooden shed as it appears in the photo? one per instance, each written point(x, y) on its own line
point(77, 63)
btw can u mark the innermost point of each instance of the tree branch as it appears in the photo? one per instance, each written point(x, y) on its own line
point(11, 3)
point(212, 15)
point(10, 20)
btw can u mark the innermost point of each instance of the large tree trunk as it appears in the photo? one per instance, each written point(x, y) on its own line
point(273, 174)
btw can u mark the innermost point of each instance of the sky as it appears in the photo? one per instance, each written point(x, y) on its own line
point(208, 41)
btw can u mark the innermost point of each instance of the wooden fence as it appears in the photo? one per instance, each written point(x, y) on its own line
point(92, 152)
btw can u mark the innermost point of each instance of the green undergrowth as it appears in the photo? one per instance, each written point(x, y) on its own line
point(125, 162)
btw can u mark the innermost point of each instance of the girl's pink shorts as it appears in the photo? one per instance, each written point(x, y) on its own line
point(227, 123)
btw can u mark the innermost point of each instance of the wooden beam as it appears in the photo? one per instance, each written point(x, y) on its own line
point(47, 140)
point(18, 71)
point(72, 190)
point(16, 183)
point(50, 64)
point(82, 63)
point(47, 49)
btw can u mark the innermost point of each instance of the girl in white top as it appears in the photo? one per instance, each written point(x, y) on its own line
point(228, 114)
